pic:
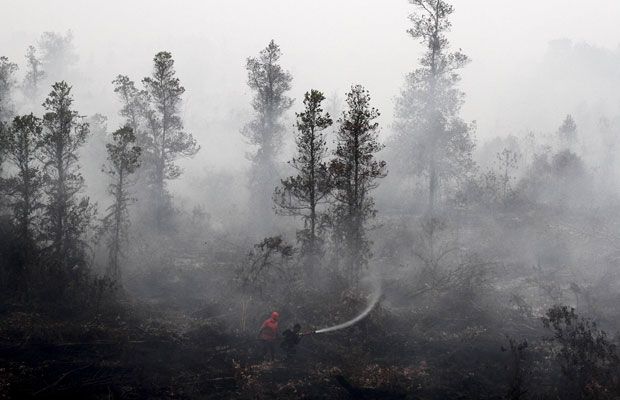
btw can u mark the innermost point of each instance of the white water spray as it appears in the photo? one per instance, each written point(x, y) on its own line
point(374, 299)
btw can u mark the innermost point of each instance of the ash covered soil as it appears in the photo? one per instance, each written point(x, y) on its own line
point(146, 352)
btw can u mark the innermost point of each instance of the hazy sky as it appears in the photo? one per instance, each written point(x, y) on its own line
point(327, 44)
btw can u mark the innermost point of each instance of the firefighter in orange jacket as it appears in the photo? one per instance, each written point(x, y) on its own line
point(268, 334)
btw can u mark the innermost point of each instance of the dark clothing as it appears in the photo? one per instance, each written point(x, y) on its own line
point(269, 349)
point(290, 341)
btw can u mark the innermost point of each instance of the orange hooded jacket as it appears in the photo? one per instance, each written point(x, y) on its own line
point(269, 328)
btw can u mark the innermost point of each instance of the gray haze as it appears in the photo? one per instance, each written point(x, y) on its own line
point(425, 251)
point(210, 40)
point(532, 64)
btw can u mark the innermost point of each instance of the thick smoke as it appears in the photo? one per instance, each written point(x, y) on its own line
point(441, 196)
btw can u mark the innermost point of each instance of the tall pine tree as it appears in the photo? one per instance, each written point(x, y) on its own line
point(567, 133)
point(165, 140)
point(270, 82)
point(124, 159)
point(22, 142)
point(355, 171)
point(134, 102)
point(432, 139)
point(58, 55)
point(301, 195)
point(67, 214)
point(23, 148)
point(34, 75)
point(7, 85)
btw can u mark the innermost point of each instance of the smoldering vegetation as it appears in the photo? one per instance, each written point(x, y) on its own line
point(128, 272)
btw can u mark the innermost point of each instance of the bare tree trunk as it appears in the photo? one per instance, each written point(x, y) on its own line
point(114, 269)
point(432, 187)
point(59, 239)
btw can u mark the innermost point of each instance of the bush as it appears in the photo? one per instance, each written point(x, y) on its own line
point(587, 358)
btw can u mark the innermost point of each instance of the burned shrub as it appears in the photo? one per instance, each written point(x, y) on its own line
point(587, 358)
point(518, 369)
point(269, 264)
